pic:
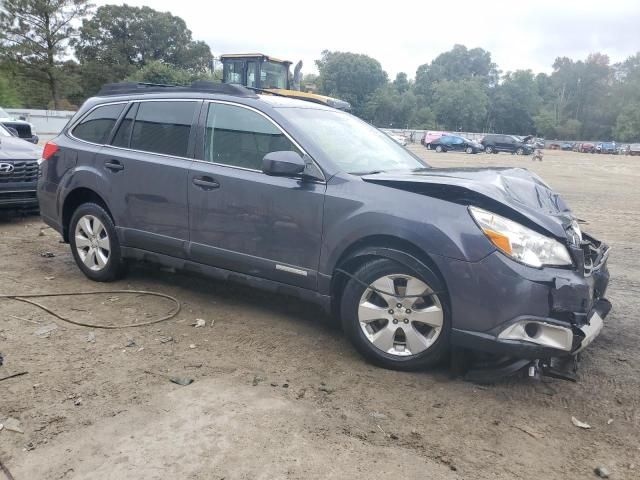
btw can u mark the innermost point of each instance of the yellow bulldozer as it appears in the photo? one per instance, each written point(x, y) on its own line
point(268, 74)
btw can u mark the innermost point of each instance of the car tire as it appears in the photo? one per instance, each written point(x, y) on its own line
point(488, 149)
point(469, 150)
point(520, 151)
point(94, 243)
point(384, 341)
point(439, 149)
point(428, 145)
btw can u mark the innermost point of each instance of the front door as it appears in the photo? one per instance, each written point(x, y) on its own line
point(242, 219)
point(147, 166)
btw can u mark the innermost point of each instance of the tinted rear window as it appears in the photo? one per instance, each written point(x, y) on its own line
point(163, 127)
point(96, 126)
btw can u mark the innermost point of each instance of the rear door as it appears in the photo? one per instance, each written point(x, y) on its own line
point(146, 166)
point(242, 219)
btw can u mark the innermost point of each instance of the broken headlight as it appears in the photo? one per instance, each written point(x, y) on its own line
point(520, 243)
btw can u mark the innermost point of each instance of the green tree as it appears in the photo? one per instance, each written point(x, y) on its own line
point(8, 94)
point(401, 83)
point(459, 63)
point(350, 76)
point(545, 124)
point(120, 39)
point(158, 72)
point(460, 105)
point(34, 34)
point(627, 127)
point(423, 119)
point(514, 103)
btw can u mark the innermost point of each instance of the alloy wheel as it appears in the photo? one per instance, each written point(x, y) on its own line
point(469, 150)
point(402, 316)
point(92, 242)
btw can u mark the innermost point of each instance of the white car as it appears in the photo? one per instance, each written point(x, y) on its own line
point(401, 139)
point(24, 129)
point(634, 149)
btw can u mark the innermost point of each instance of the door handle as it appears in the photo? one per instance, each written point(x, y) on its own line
point(113, 165)
point(205, 183)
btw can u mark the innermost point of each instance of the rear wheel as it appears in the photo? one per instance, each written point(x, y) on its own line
point(94, 243)
point(398, 321)
point(439, 148)
point(489, 149)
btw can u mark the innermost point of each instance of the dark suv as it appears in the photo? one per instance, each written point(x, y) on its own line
point(305, 200)
point(18, 172)
point(494, 143)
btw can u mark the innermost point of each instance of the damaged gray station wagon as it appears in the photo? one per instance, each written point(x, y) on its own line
point(305, 200)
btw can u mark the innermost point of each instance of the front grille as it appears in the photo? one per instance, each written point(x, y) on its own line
point(24, 130)
point(27, 195)
point(24, 171)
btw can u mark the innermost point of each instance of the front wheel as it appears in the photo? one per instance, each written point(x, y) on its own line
point(469, 150)
point(439, 149)
point(520, 151)
point(398, 320)
point(94, 243)
point(489, 149)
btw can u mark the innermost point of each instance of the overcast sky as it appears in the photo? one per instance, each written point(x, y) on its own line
point(403, 35)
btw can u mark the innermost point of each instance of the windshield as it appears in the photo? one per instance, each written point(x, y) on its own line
point(273, 75)
point(4, 132)
point(4, 114)
point(355, 146)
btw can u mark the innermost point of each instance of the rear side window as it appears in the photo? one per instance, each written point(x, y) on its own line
point(96, 126)
point(163, 127)
point(241, 137)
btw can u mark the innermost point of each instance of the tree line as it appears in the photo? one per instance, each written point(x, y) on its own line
point(57, 53)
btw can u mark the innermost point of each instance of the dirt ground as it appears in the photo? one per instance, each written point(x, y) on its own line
point(280, 394)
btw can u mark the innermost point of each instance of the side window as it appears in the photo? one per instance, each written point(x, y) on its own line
point(163, 127)
point(446, 140)
point(457, 141)
point(241, 137)
point(123, 135)
point(96, 126)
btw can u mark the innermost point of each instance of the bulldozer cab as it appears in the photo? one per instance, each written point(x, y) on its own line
point(255, 70)
point(269, 75)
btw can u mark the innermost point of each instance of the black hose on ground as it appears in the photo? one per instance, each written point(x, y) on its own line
point(26, 299)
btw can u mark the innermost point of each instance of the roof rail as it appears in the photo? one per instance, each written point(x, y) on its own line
point(202, 86)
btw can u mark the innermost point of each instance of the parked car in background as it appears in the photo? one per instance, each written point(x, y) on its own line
point(567, 146)
point(411, 259)
point(634, 149)
point(584, 148)
point(18, 172)
point(430, 136)
point(554, 146)
point(23, 128)
point(455, 143)
point(494, 143)
point(401, 139)
point(606, 147)
point(538, 143)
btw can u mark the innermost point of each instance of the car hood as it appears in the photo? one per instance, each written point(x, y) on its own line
point(515, 193)
point(12, 148)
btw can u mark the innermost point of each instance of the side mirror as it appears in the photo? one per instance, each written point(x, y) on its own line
point(283, 163)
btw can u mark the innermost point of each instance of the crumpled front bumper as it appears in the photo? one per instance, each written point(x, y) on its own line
point(559, 312)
